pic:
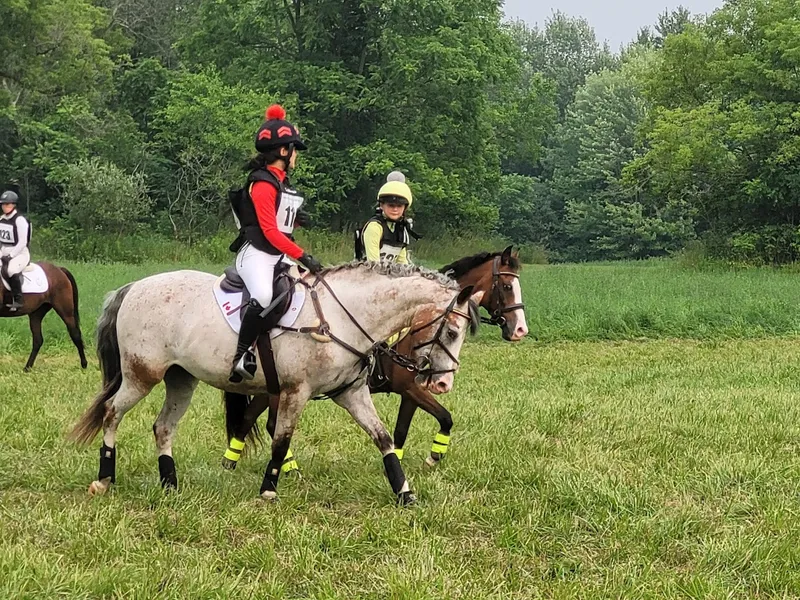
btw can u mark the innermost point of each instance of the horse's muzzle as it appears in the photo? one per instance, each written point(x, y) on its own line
point(440, 384)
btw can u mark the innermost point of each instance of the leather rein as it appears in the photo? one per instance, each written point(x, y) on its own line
point(323, 329)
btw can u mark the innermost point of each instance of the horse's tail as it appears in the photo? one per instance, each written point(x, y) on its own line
point(235, 407)
point(74, 285)
point(110, 366)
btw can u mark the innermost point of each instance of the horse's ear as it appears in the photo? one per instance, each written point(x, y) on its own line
point(506, 256)
point(477, 297)
point(465, 294)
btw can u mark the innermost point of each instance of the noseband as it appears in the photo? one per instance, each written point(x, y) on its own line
point(425, 365)
point(496, 300)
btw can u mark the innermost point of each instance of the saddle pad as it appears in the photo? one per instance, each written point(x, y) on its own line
point(34, 280)
point(230, 303)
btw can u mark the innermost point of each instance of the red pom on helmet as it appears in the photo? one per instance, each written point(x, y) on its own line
point(276, 112)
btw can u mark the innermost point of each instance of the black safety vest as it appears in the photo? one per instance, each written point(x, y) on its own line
point(392, 242)
point(287, 204)
point(9, 234)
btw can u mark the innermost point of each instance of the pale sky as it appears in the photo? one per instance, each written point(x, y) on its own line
point(617, 21)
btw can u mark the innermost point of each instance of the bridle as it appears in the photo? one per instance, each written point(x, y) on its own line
point(425, 364)
point(423, 367)
point(496, 300)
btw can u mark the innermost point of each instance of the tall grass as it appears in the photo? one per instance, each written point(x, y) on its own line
point(330, 247)
point(614, 301)
point(576, 470)
point(658, 299)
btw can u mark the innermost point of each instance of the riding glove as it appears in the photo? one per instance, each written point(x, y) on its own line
point(310, 263)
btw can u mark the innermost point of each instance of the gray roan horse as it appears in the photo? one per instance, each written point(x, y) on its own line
point(168, 327)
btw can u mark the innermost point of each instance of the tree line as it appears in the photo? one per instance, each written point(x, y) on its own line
point(134, 117)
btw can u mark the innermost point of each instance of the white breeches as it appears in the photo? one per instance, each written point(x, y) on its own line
point(257, 270)
point(18, 264)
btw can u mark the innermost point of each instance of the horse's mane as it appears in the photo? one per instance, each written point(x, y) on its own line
point(395, 270)
point(464, 265)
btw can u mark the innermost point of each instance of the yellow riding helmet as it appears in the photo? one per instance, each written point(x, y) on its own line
point(396, 187)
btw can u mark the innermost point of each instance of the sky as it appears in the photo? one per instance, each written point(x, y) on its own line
point(617, 21)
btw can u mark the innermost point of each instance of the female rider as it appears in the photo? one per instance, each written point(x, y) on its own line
point(386, 236)
point(265, 212)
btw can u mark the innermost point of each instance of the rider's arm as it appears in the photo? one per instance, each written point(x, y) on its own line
point(22, 234)
point(372, 241)
point(264, 196)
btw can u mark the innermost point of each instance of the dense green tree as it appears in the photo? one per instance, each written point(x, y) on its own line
point(725, 128)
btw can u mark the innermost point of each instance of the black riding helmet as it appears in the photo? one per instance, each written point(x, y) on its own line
point(276, 132)
point(9, 197)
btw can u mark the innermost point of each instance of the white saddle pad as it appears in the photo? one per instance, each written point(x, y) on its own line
point(231, 303)
point(34, 280)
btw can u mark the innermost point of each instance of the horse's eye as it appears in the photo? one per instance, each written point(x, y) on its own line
point(508, 287)
point(452, 334)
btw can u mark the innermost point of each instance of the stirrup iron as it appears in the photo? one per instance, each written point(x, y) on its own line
point(246, 366)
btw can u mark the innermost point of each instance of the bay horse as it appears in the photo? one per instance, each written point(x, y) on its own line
point(61, 296)
point(169, 328)
point(494, 278)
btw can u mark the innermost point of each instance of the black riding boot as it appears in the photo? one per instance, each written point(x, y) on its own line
point(15, 283)
point(244, 362)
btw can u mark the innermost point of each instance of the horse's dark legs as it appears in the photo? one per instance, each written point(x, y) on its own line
point(240, 430)
point(407, 409)
point(425, 400)
point(358, 402)
point(35, 320)
point(289, 462)
point(68, 316)
point(290, 405)
point(255, 408)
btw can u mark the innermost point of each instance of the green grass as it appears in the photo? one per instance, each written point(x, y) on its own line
point(616, 301)
point(661, 469)
point(659, 299)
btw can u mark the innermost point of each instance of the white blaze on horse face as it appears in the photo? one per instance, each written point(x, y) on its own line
point(520, 325)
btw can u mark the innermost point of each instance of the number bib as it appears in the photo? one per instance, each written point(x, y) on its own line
point(8, 234)
point(290, 204)
point(390, 253)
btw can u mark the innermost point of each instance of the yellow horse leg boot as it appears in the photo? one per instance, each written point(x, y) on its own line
point(438, 449)
point(289, 463)
point(232, 454)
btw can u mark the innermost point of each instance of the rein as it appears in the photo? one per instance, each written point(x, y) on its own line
point(323, 329)
point(497, 314)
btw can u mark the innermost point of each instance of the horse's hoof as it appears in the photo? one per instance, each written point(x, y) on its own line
point(269, 496)
point(84, 365)
point(26, 370)
point(406, 499)
point(98, 488)
point(228, 464)
point(432, 462)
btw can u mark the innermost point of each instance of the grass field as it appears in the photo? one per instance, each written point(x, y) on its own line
point(586, 463)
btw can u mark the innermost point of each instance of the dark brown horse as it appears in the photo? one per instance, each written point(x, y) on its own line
point(495, 277)
point(62, 296)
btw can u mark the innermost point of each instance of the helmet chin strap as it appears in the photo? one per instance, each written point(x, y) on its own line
point(287, 160)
